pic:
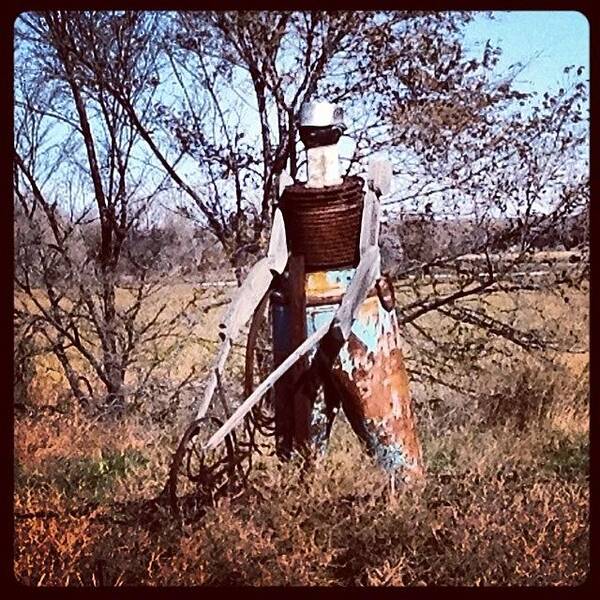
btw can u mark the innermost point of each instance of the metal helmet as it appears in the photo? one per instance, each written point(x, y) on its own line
point(319, 113)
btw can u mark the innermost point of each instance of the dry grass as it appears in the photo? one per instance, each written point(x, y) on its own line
point(495, 509)
point(505, 500)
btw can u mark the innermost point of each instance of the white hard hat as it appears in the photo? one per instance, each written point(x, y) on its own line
point(319, 113)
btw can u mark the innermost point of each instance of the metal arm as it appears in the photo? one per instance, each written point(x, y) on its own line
point(378, 183)
point(330, 336)
point(245, 301)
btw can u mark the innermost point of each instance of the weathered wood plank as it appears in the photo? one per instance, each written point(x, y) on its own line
point(213, 379)
point(296, 292)
point(278, 248)
point(370, 224)
point(285, 179)
point(379, 176)
point(363, 281)
point(245, 302)
point(293, 290)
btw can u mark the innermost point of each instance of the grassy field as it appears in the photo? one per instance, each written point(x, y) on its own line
point(505, 500)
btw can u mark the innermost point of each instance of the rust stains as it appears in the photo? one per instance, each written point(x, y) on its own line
point(377, 400)
point(385, 291)
point(324, 224)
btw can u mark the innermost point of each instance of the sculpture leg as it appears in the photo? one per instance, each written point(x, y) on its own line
point(303, 421)
point(323, 413)
point(374, 391)
point(326, 401)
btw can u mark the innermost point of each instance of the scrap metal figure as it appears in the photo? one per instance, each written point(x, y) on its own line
point(335, 333)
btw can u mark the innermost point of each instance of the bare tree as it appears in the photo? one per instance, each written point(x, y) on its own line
point(207, 103)
point(70, 289)
point(465, 140)
point(245, 73)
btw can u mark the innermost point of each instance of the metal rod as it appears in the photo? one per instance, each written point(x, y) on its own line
point(268, 382)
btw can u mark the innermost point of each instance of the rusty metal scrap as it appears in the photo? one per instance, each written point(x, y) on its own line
point(366, 377)
point(336, 340)
point(377, 399)
point(370, 383)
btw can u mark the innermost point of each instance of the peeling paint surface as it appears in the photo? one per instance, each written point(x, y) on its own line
point(327, 286)
point(371, 383)
point(369, 380)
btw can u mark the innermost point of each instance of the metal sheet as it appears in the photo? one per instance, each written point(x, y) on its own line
point(369, 378)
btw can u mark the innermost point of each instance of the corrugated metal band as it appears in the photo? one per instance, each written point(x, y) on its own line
point(323, 224)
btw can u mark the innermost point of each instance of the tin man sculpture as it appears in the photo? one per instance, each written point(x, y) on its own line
point(335, 335)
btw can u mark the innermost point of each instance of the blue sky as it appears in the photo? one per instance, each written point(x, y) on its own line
point(546, 41)
point(560, 37)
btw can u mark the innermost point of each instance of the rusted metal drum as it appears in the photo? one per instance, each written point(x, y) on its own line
point(371, 383)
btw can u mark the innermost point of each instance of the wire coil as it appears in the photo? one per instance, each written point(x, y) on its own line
point(323, 224)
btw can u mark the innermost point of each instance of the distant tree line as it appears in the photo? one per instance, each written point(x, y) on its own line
point(418, 239)
point(178, 247)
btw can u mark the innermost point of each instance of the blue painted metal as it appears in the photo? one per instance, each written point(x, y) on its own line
point(281, 327)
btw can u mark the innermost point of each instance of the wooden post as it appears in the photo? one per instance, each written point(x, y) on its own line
point(292, 419)
point(302, 405)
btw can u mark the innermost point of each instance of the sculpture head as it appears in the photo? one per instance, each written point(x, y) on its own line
point(321, 123)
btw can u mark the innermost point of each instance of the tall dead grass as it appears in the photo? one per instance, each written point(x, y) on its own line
point(505, 500)
point(498, 507)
